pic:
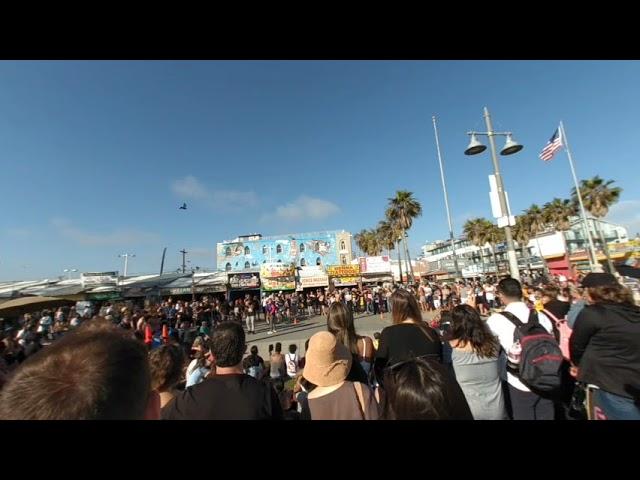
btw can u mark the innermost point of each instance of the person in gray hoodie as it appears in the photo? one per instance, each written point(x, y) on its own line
point(605, 346)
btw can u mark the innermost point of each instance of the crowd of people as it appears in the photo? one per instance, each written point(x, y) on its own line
point(549, 348)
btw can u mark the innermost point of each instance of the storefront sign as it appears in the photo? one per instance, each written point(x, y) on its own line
point(343, 270)
point(244, 281)
point(276, 284)
point(99, 279)
point(276, 270)
point(380, 264)
point(345, 281)
point(317, 281)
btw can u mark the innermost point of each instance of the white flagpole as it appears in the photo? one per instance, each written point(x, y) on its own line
point(593, 258)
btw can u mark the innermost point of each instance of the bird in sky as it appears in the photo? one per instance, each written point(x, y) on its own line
point(183, 207)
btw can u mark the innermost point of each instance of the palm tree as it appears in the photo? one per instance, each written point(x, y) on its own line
point(389, 233)
point(474, 230)
point(537, 222)
point(558, 213)
point(522, 235)
point(403, 208)
point(493, 235)
point(369, 242)
point(597, 197)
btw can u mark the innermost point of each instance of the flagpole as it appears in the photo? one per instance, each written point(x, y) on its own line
point(593, 261)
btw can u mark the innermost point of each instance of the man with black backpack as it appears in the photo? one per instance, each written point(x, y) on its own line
point(534, 357)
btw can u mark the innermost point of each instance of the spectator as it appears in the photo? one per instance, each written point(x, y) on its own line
point(340, 324)
point(408, 337)
point(276, 363)
point(200, 366)
point(94, 373)
point(254, 364)
point(292, 361)
point(422, 389)
point(605, 347)
point(334, 397)
point(230, 394)
point(523, 403)
point(476, 364)
point(166, 363)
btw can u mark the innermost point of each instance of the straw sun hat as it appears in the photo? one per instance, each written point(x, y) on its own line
point(327, 362)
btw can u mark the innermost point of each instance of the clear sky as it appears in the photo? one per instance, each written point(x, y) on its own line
point(97, 156)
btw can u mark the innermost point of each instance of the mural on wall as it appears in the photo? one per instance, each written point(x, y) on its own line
point(305, 249)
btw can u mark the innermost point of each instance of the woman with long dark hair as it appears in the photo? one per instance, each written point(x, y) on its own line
point(423, 389)
point(408, 337)
point(340, 323)
point(475, 358)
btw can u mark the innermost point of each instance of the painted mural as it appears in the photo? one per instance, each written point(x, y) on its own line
point(306, 249)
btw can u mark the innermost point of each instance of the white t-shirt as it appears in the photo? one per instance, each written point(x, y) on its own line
point(347, 297)
point(291, 361)
point(503, 329)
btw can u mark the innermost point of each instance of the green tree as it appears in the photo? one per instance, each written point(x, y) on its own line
point(402, 210)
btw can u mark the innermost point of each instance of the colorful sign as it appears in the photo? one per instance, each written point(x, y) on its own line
point(343, 270)
point(244, 281)
point(276, 270)
point(280, 283)
point(380, 264)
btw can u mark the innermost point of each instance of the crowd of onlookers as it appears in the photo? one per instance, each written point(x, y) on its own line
point(544, 349)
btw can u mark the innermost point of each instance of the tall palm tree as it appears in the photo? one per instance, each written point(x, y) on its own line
point(369, 242)
point(537, 222)
point(403, 208)
point(389, 233)
point(522, 235)
point(474, 230)
point(597, 197)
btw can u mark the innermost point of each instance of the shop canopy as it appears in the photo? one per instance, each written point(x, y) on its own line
point(18, 306)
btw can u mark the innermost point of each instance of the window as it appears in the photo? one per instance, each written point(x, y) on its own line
point(264, 261)
point(316, 246)
point(265, 250)
point(227, 252)
point(342, 245)
point(279, 249)
point(302, 247)
point(279, 261)
point(227, 267)
point(303, 262)
point(247, 265)
point(318, 261)
point(343, 259)
point(247, 251)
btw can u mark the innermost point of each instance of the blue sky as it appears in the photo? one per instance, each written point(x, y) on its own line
point(97, 156)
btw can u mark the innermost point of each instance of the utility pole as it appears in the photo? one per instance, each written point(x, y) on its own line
point(126, 261)
point(184, 266)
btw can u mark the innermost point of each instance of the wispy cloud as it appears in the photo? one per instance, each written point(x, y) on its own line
point(113, 238)
point(18, 232)
point(626, 213)
point(303, 208)
point(190, 188)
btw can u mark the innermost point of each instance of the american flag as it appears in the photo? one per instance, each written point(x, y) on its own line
point(554, 144)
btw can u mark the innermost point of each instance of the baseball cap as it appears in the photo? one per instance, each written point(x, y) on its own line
point(598, 280)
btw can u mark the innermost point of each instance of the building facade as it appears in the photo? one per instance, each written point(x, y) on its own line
point(563, 252)
point(249, 252)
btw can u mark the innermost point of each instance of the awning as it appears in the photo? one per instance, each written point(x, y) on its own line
point(22, 305)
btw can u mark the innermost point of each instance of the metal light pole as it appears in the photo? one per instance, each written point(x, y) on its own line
point(68, 271)
point(126, 261)
point(446, 202)
point(510, 147)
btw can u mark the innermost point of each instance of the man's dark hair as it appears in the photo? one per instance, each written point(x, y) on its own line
point(292, 348)
point(278, 347)
point(97, 372)
point(227, 344)
point(254, 350)
point(510, 288)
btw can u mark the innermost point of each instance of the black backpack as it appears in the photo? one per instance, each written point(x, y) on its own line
point(540, 358)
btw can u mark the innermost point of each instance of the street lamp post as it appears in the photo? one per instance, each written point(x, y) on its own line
point(510, 148)
point(446, 202)
point(68, 271)
point(126, 261)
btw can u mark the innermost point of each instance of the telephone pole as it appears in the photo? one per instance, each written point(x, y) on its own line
point(184, 266)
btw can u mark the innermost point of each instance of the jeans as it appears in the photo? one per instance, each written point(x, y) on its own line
point(615, 407)
point(250, 323)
